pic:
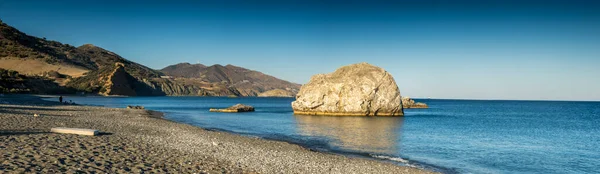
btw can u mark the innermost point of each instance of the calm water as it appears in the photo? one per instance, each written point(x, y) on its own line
point(453, 136)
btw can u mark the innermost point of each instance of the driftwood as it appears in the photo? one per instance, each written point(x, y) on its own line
point(64, 130)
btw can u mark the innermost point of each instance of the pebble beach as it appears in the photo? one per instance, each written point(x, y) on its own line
point(140, 141)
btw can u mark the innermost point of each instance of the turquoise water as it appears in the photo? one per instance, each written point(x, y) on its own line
point(453, 136)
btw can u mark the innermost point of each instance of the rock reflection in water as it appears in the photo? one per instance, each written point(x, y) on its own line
point(359, 134)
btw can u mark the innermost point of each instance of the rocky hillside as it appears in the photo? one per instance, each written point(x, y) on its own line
point(88, 68)
point(186, 70)
point(18, 45)
point(247, 82)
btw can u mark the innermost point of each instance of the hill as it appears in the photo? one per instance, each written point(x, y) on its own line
point(86, 67)
point(17, 45)
point(91, 69)
point(186, 70)
point(247, 82)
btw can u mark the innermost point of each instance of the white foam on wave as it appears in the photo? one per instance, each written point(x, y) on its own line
point(397, 159)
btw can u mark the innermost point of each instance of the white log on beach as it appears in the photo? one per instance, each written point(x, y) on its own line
point(78, 131)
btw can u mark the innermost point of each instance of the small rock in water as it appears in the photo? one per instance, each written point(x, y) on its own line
point(235, 108)
point(135, 107)
point(408, 103)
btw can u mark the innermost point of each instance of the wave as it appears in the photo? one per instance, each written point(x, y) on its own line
point(403, 161)
point(415, 164)
point(397, 159)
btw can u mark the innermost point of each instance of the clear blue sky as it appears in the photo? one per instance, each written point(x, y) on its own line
point(487, 49)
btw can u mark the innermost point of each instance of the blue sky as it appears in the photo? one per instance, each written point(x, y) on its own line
point(542, 50)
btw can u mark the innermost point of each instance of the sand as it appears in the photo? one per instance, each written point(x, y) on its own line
point(135, 141)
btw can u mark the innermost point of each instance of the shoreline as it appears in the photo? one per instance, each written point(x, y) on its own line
point(402, 162)
point(166, 146)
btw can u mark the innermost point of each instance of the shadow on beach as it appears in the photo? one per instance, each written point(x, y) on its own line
point(22, 132)
point(28, 99)
point(25, 99)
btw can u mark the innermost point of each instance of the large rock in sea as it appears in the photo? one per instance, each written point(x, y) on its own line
point(354, 90)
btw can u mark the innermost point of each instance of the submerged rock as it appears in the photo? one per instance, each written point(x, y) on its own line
point(354, 90)
point(408, 103)
point(235, 108)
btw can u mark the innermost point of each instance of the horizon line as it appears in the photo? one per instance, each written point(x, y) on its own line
point(491, 99)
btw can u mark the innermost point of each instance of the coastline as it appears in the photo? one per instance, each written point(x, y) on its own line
point(140, 141)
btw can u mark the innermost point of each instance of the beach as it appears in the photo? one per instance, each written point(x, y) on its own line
point(134, 141)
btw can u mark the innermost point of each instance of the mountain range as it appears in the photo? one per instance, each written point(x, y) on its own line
point(94, 70)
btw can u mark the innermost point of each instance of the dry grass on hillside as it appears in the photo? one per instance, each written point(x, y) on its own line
point(36, 67)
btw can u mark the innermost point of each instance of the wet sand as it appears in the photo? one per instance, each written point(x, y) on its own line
point(134, 141)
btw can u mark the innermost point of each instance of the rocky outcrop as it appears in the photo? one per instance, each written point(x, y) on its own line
point(114, 81)
point(235, 108)
point(354, 90)
point(119, 82)
point(277, 93)
point(409, 103)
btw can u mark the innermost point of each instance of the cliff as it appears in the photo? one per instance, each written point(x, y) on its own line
point(186, 87)
point(119, 82)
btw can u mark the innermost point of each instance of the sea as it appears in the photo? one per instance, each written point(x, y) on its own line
point(452, 136)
